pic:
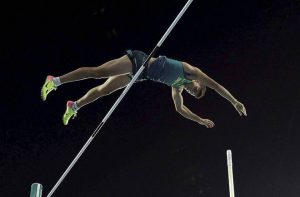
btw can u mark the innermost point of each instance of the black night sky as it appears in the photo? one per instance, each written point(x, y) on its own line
point(146, 149)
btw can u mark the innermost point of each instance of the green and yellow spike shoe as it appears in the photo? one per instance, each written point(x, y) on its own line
point(48, 87)
point(69, 113)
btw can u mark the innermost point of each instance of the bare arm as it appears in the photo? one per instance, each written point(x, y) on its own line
point(185, 112)
point(209, 82)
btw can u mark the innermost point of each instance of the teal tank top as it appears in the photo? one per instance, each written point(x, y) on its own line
point(168, 71)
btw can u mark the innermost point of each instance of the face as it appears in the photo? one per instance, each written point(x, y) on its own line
point(195, 89)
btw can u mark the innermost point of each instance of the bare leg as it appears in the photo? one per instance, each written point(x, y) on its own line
point(111, 85)
point(114, 67)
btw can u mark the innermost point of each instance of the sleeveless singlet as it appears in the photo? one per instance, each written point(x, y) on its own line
point(167, 71)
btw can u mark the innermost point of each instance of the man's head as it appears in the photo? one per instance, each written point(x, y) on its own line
point(196, 89)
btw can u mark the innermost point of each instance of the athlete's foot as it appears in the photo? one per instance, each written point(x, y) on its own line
point(69, 113)
point(48, 87)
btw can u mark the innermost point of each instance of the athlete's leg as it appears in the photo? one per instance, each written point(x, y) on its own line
point(111, 85)
point(114, 67)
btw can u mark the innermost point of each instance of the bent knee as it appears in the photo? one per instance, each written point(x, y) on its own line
point(103, 90)
point(101, 72)
point(90, 72)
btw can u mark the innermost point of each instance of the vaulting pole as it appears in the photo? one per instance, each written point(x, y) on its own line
point(120, 97)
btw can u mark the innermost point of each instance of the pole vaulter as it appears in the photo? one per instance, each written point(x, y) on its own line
point(99, 127)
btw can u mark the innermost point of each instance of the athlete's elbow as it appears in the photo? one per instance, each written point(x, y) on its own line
point(179, 109)
point(214, 86)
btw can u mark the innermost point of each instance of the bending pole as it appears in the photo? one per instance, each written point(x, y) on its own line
point(120, 97)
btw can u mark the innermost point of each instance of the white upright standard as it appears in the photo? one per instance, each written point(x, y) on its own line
point(230, 173)
point(36, 190)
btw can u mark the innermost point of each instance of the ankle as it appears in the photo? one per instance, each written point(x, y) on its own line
point(73, 105)
point(56, 81)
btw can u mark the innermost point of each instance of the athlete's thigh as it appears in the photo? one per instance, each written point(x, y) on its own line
point(115, 67)
point(115, 83)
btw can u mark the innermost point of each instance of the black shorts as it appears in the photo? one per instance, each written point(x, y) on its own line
point(137, 59)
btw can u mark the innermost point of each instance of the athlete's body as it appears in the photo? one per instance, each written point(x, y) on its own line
point(179, 75)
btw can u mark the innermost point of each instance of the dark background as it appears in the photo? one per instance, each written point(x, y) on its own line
point(251, 47)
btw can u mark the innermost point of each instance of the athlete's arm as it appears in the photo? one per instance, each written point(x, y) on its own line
point(185, 112)
point(209, 82)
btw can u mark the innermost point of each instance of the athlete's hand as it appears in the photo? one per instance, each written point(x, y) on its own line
point(206, 122)
point(240, 108)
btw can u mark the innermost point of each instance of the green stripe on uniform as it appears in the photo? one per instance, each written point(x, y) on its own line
point(180, 82)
